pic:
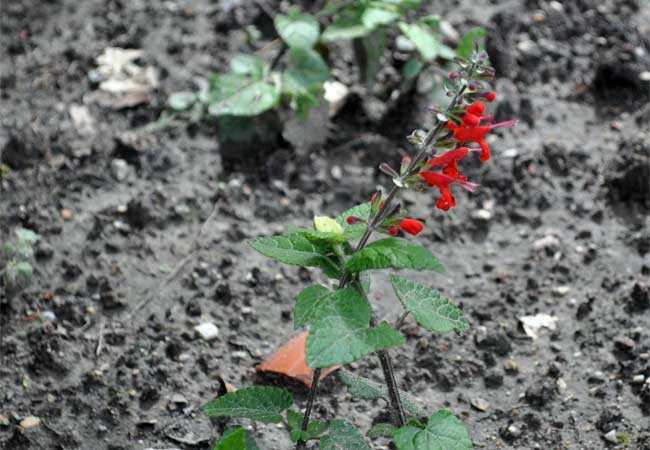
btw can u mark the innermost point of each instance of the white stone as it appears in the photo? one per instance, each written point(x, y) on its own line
point(208, 331)
point(532, 324)
point(611, 437)
point(336, 94)
point(30, 422)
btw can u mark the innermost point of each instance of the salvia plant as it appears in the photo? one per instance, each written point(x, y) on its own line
point(298, 71)
point(17, 271)
point(342, 328)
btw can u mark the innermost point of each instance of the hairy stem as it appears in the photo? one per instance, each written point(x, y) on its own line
point(397, 411)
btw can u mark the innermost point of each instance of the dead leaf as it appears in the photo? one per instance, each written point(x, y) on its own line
point(290, 360)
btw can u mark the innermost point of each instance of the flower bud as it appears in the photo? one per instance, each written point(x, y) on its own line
point(490, 96)
point(453, 75)
point(388, 170)
point(393, 231)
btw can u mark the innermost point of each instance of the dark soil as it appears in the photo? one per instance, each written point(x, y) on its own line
point(567, 194)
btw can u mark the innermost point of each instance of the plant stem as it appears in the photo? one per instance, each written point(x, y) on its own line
point(397, 411)
point(300, 445)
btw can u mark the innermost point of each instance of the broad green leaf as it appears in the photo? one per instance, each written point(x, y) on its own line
point(345, 27)
point(340, 334)
point(181, 101)
point(374, 16)
point(327, 225)
point(382, 430)
point(466, 44)
point(343, 436)
point(424, 39)
point(365, 389)
point(428, 307)
point(354, 231)
point(27, 236)
point(261, 403)
point(412, 68)
point(393, 253)
point(248, 65)
point(307, 70)
point(236, 439)
point(240, 95)
point(447, 52)
point(297, 250)
point(443, 432)
point(297, 29)
point(308, 303)
point(314, 429)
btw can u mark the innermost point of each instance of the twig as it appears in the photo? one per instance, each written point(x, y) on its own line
point(100, 338)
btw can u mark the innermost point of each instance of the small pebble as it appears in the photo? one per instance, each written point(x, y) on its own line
point(66, 214)
point(561, 291)
point(624, 343)
point(4, 421)
point(48, 316)
point(480, 404)
point(638, 379)
point(514, 431)
point(30, 422)
point(611, 437)
point(208, 331)
point(119, 169)
point(482, 215)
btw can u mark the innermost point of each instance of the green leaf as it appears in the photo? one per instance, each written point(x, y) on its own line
point(181, 101)
point(248, 65)
point(374, 17)
point(314, 429)
point(24, 270)
point(315, 235)
point(382, 430)
point(236, 439)
point(297, 250)
point(308, 303)
point(261, 403)
point(412, 68)
point(343, 436)
point(424, 39)
point(393, 253)
point(307, 69)
point(443, 432)
point(345, 27)
point(297, 30)
point(354, 231)
point(466, 44)
point(27, 236)
point(365, 389)
point(240, 95)
point(428, 307)
point(340, 333)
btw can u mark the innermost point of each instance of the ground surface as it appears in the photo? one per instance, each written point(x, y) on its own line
point(577, 180)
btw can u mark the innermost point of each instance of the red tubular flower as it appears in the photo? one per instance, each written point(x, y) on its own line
point(476, 108)
point(411, 226)
point(449, 161)
point(443, 182)
point(468, 133)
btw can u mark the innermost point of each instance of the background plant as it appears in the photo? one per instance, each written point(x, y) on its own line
point(299, 69)
point(17, 254)
point(342, 326)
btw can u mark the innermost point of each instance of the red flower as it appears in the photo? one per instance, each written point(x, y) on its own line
point(471, 131)
point(449, 161)
point(491, 96)
point(393, 231)
point(411, 226)
point(443, 182)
